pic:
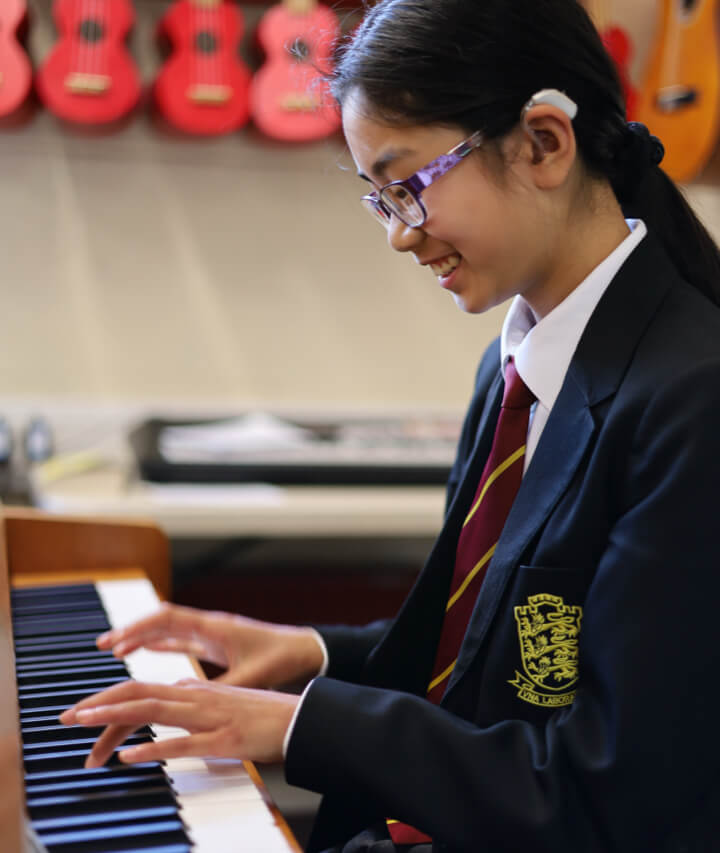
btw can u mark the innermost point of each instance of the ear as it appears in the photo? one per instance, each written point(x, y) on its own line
point(549, 146)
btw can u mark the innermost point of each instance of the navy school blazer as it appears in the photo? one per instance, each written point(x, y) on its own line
point(582, 714)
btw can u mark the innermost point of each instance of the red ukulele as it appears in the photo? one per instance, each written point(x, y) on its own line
point(203, 86)
point(89, 76)
point(289, 98)
point(15, 70)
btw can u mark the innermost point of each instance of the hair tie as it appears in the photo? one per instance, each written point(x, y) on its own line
point(646, 147)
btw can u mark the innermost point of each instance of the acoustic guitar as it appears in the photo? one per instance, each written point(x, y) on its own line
point(680, 95)
point(89, 76)
point(619, 45)
point(203, 86)
point(289, 96)
point(15, 70)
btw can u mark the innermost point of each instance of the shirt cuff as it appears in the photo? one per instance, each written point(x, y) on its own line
point(323, 648)
point(323, 670)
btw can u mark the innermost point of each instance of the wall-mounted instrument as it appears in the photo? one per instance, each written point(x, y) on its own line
point(89, 76)
point(203, 86)
point(290, 99)
point(15, 69)
point(680, 96)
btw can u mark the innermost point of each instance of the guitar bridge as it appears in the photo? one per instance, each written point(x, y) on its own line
point(300, 102)
point(673, 98)
point(80, 83)
point(210, 94)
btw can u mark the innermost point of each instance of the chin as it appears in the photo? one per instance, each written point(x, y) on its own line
point(473, 306)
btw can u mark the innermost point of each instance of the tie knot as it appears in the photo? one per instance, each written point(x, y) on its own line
point(517, 395)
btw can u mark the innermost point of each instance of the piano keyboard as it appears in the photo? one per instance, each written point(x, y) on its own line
point(172, 807)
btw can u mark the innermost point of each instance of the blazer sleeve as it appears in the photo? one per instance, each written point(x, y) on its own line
point(634, 760)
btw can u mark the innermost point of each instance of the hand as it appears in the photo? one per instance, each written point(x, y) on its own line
point(255, 654)
point(222, 721)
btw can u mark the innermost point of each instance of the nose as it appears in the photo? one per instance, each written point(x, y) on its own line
point(401, 237)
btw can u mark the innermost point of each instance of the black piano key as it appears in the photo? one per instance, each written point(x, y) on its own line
point(41, 715)
point(27, 662)
point(61, 759)
point(39, 645)
point(51, 608)
point(63, 672)
point(93, 684)
point(114, 838)
point(95, 623)
point(145, 768)
point(46, 734)
point(62, 699)
point(84, 802)
point(159, 848)
point(120, 779)
point(78, 742)
point(136, 816)
point(69, 589)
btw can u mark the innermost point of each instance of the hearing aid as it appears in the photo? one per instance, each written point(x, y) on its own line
point(552, 97)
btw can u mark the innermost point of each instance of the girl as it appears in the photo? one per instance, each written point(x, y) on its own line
point(550, 681)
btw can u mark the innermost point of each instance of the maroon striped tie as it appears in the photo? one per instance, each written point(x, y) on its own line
point(480, 533)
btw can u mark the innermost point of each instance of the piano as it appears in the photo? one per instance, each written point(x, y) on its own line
point(62, 581)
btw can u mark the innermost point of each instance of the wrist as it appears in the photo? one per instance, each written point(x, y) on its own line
point(311, 652)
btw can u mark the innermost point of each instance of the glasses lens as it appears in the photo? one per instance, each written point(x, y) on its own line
point(376, 208)
point(403, 204)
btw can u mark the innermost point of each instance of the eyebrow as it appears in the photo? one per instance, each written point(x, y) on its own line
point(381, 164)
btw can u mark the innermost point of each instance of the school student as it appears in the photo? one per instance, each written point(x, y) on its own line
point(551, 682)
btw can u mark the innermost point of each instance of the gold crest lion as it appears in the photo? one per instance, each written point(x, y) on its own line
point(548, 631)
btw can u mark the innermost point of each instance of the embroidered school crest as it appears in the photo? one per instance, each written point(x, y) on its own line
point(548, 631)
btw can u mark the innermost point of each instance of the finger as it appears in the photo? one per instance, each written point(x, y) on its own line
point(173, 644)
point(185, 715)
point(169, 619)
point(126, 691)
point(191, 745)
point(106, 744)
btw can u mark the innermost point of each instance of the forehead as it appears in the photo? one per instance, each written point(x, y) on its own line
point(376, 146)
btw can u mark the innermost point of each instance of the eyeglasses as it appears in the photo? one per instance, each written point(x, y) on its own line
point(402, 198)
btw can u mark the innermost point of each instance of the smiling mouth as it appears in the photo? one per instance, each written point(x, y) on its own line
point(445, 266)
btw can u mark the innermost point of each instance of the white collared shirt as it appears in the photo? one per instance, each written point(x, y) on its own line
point(543, 349)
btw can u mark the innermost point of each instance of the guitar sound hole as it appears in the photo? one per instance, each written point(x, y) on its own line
point(91, 30)
point(205, 42)
point(299, 50)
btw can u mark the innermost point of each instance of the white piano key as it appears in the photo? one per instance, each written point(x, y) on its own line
point(221, 806)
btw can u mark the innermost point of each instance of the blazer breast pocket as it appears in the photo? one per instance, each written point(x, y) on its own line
point(533, 664)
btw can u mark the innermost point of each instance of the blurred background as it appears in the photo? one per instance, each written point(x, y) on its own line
point(157, 273)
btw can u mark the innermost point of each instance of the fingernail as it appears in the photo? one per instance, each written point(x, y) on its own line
point(91, 762)
point(127, 754)
point(87, 714)
point(67, 717)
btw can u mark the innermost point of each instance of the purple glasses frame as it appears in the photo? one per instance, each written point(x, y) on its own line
point(402, 198)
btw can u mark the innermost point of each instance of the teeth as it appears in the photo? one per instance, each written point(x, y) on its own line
point(446, 265)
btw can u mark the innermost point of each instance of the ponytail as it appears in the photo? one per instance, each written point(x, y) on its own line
point(646, 192)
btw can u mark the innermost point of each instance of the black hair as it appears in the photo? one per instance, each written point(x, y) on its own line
point(475, 63)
